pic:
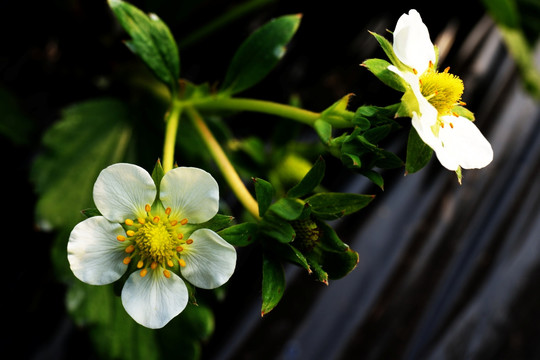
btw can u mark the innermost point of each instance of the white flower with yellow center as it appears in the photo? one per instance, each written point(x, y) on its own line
point(455, 139)
point(152, 236)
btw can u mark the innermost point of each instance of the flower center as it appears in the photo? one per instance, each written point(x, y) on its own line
point(442, 89)
point(155, 242)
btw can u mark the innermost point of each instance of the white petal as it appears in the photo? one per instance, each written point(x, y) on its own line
point(94, 254)
point(191, 193)
point(122, 190)
point(412, 44)
point(464, 143)
point(210, 260)
point(154, 300)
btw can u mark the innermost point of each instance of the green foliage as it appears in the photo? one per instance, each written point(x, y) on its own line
point(88, 137)
point(259, 53)
point(151, 40)
point(418, 153)
point(518, 22)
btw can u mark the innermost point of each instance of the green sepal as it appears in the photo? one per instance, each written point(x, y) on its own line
point(329, 240)
point(388, 49)
point(288, 252)
point(317, 269)
point(375, 177)
point(277, 228)
point(151, 40)
point(330, 206)
point(462, 111)
point(91, 212)
point(310, 181)
point(240, 235)
point(273, 283)
point(259, 53)
point(264, 193)
point(339, 264)
point(324, 130)
point(157, 175)
point(418, 153)
point(379, 68)
point(337, 113)
point(351, 160)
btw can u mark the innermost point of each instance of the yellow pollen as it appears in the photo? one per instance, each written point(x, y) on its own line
point(140, 264)
point(153, 265)
point(121, 238)
point(130, 233)
point(189, 241)
point(442, 89)
point(170, 263)
point(126, 260)
point(415, 71)
point(167, 273)
point(128, 222)
point(144, 272)
point(141, 221)
point(147, 208)
point(180, 236)
point(182, 262)
point(451, 125)
point(130, 249)
point(168, 211)
point(155, 219)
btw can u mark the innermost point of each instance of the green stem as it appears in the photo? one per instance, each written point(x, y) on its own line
point(227, 169)
point(173, 119)
point(263, 106)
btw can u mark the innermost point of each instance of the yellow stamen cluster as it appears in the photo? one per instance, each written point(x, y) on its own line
point(442, 89)
point(154, 241)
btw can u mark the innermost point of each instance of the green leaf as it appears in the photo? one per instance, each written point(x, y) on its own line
point(288, 208)
point(241, 234)
point(264, 192)
point(88, 137)
point(259, 53)
point(331, 206)
point(151, 40)
point(379, 68)
point(312, 179)
point(273, 284)
point(418, 153)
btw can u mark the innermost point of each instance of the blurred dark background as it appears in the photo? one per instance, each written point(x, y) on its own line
point(445, 272)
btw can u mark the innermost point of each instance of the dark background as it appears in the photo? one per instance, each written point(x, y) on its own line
point(445, 272)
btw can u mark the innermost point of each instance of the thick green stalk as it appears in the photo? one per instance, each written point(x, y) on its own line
point(263, 106)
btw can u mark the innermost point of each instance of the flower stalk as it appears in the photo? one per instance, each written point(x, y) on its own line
point(173, 118)
point(222, 161)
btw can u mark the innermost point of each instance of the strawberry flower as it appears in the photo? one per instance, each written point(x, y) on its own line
point(153, 235)
point(434, 98)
